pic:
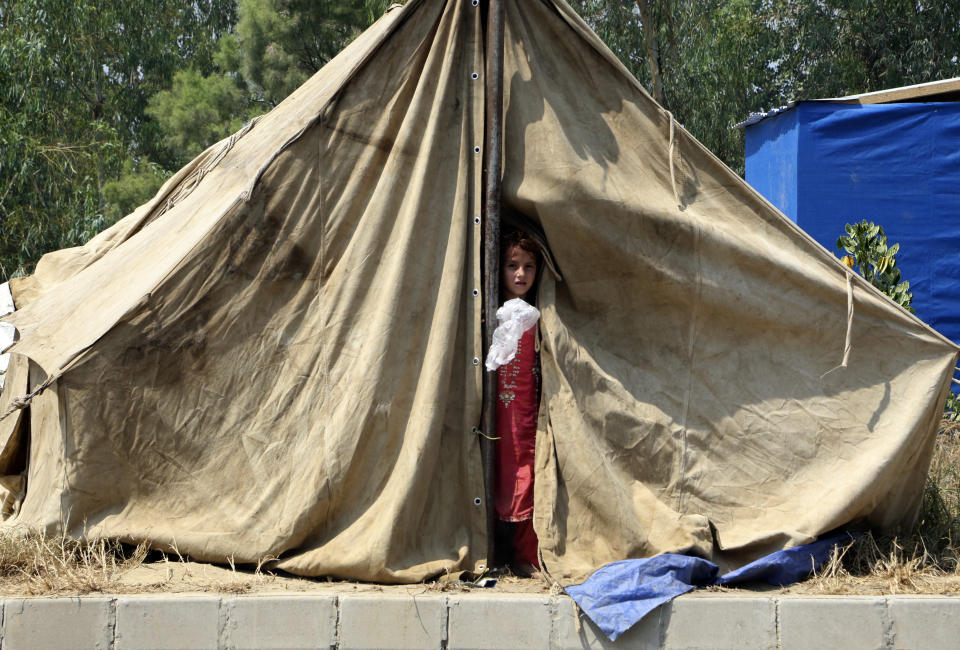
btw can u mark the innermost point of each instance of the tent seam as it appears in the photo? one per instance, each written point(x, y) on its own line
point(61, 421)
point(673, 178)
point(691, 333)
point(193, 180)
point(321, 293)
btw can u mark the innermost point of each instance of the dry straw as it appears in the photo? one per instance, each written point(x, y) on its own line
point(33, 563)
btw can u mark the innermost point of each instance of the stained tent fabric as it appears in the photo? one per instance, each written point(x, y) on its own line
point(279, 355)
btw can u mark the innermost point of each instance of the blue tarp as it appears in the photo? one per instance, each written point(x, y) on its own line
point(827, 164)
point(619, 594)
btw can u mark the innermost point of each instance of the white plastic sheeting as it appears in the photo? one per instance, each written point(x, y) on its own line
point(513, 319)
point(6, 329)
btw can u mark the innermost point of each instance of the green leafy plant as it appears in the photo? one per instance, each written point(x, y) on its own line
point(868, 253)
point(952, 411)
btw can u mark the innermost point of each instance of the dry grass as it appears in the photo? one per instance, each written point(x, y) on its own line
point(873, 566)
point(36, 564)
point(938, 528)
point(927, 561)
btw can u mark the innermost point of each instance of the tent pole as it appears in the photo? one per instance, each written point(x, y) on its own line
point(493, 161)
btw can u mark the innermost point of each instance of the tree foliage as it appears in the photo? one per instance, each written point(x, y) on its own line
point(198, 111)
point(275, 46)
point(100, 101)
point(75, 78)
point(721, 60)
point(838, 47)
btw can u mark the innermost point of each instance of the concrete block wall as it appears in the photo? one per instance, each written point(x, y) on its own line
point(471, 620)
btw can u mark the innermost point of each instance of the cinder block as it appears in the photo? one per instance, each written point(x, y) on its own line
point(392, 622)
point(924, 622)
point(499, 622)
point(567, 635)
point(721, 622)
point(169, 622)
point(833, 622)
point(52, 623)
point(308, 621)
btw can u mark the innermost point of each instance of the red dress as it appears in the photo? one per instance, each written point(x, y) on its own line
point(518, 402)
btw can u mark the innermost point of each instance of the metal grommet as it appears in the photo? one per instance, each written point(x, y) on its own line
point(475, 76)
point(476, 220)
point(476, 150)
point(474, 430)
point(476, 361)
point(482, 567)
point(477, 501)
point(476, 2)
point(476, 292)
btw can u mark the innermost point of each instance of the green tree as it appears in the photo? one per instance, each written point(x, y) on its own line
point(74, 82)
point(713, 61)
point(200, 110)
point(838, 47)
point(720, 60)
point(275, 47)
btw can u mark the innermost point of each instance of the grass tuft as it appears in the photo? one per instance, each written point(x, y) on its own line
point(33, 563)
point(925, 561)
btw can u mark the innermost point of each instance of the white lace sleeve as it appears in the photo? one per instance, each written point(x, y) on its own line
point(513, 319)
point(6, 329)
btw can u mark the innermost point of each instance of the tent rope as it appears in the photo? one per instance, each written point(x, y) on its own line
point(847, 344)
point(554, 585)
point(193, 180)
point(673, 178)
point(848, 339)
point(24, 402)
point(481, 433)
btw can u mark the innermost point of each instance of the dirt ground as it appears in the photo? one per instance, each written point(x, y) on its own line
point(195, 577)
point(178, 577)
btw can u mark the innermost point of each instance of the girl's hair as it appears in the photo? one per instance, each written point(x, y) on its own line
point(511, 237)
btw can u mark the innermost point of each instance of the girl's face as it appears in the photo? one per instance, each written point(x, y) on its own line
point(518, 272)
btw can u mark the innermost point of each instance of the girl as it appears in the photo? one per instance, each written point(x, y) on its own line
point(518, 402)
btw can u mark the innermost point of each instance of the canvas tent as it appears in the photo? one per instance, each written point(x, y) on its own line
point(279, 355)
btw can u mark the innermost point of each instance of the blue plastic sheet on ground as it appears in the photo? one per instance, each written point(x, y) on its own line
point(619, 594)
